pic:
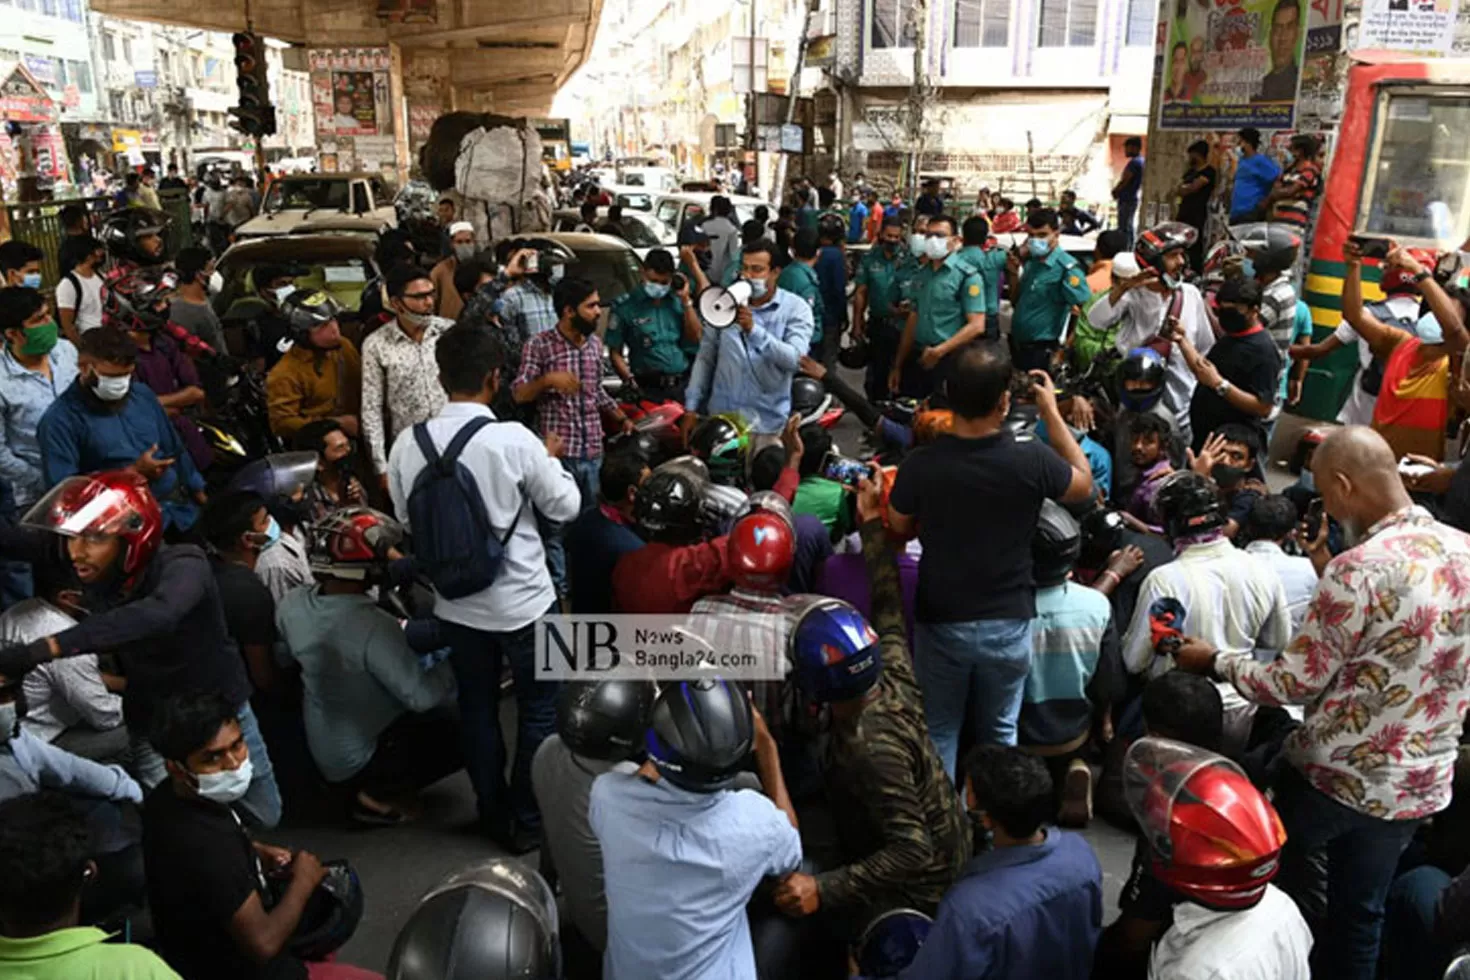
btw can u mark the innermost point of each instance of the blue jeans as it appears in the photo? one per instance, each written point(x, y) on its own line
point(978, 667)
point(1362, 854)
point(476, 657)
point(1410, 948)
point(587, 473)
point(1127, 210)
point(262, 801)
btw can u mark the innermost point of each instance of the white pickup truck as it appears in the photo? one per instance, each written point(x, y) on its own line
point(298, 199)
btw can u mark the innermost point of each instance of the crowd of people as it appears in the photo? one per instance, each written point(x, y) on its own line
point(1053, 581)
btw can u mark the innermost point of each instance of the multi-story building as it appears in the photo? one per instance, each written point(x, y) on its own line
point(1029, 96)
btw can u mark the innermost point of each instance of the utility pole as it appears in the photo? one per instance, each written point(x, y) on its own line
point(921, 93)
point(752, 144)
point(793, 90)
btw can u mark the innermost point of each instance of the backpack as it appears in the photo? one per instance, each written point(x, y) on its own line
point(455, 545)
point(1371, 379)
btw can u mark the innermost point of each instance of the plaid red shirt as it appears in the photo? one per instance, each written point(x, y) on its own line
point(576, 418)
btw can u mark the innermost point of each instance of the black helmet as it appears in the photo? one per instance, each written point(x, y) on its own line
point(1055, 546)
point(493, 921)
point(701, 733)
point(854, 356)
point(1102, 534)
point(1273, 247)
point(604, 719)
point(140, 299)
point(307, 309)
point(1161, 240)
point(722, 443)
point(642, 443)
point(331, 914)
point(667, 507)
point(1146, 365)
point(1190, 505)
point(809, 398)
point(832, 226)
point(122, 230)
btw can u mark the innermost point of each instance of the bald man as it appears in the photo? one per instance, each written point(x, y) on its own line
point(1381, 664)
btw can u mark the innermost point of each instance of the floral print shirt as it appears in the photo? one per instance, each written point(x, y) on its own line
point(400, 384)
point(1381, 664)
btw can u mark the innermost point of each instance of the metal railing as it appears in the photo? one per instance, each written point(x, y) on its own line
point(40, 224)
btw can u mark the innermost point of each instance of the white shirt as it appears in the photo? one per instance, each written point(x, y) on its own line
point(87, 303)
point(1231, 600)
point(1358, 408)
point(285, 565)
point(1269, 941)
point(724, 244)
point(1142, 313)
point(1298, 578)
point(400, 374)
point(515, 474)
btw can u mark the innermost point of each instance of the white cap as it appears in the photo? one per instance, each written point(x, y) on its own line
point(460, 226)
point(1125, 265)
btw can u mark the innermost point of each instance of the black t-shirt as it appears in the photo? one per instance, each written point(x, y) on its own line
point(1156, 552)
point(1251, 363)
point(263, 339)
point(1144, 896)
point(1193, 208)
point(250, 612)
point(201, 869)
point(977, 502)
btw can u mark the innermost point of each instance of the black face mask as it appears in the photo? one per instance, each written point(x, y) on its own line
point(704, 259)
point(1233, 321)
point(290, 512)
point(1226, 476)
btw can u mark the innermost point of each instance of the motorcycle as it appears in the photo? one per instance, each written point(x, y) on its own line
point(238, 431)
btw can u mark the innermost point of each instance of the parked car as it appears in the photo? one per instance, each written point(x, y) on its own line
point(642, 230)
point(611, 263)
point(676, 210)
point(292, 200)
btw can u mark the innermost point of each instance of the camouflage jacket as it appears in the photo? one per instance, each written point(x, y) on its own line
point(896, 811)
point(483, 310)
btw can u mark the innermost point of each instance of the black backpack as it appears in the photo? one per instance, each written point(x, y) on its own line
point(455, 545)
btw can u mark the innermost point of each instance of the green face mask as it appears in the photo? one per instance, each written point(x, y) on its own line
point(39, 339)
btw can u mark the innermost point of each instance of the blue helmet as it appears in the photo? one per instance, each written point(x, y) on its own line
point(1145, 368)
point(891, 941)
point(834, 651)
point(700, 733)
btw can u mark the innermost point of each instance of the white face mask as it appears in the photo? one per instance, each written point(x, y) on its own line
point(283, 292)
point(917, 244)
point(216, 283)
point(464, 253)
point(758, 288)
point(112, 389)
point(227, 786)
point(937, 249)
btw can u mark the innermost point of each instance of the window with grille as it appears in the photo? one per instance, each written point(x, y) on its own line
point(982, 23)
point(1141, 14)
point(892, 24)
point(1068, 24)
point(109, 46)
point(81, 74)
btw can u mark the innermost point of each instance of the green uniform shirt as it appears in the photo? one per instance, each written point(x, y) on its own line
point(801, 279)
point(824, 499)
point(1050, 287)
point(79, 953)
point(887, 280)
point(990, 263)
point(652, 330)
point(945, 297)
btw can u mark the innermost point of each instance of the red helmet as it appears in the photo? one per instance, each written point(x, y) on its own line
point(1396, 280)
point(1214, 837)
point(116, 502)
point(1161, 240)
point(141, 299)
point(349, 542)
point(762, 543)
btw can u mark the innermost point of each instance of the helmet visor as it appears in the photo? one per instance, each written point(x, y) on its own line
point(291, 471)
point(1155, 774)
point(80, 506)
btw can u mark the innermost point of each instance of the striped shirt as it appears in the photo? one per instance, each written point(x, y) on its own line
point(1074, 664)
point(1306, 177)
point(1413, 403)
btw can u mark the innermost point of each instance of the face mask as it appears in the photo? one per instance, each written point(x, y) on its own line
point(1248, 268)
point(555, 276)
point(31, 280)
point(464, 252)
point(1234, 321)
point(1172, 282)
point(216, 284)
point(584, 326)
point(916, 244)
point(1039, 248)
point(758, 288)
point(656, 290)
point(412, 319)
point(225, 787)
point(282, 293)
point(1428, 330)
point(272, 533)
point(344, 465)
point(889, 248)
point(40, 339)
point(111, 389)
point(937, 249)
point(704, 259)
point(9, 716)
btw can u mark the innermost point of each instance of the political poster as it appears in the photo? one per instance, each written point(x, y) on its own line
point(354, 107)
point(1425, 27)
point(1232, 63)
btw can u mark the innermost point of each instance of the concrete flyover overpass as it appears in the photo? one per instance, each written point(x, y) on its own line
point(487, 55)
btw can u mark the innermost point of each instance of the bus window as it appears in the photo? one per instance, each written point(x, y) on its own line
point(1417, 188)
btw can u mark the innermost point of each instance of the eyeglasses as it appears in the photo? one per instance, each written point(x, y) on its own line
point(419, 297)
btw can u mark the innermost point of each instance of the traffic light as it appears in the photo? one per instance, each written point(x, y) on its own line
point(254, 116)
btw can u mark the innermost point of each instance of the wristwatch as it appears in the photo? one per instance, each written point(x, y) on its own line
point(1422, 275)
point(1223, 388)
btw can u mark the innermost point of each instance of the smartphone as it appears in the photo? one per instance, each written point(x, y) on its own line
point(533, 263)
point(678, 283)
point(1314, 515)
point(845, 470)
point(1372, 248)
point(1412, 469)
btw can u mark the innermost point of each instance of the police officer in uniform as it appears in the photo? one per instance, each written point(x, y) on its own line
point(800, 278)
point(990, 262)
point(949, 310)
point(880, 304)
point(1043, 292)
point(654, 324)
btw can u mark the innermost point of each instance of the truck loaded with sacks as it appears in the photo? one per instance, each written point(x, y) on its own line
point(491, 166)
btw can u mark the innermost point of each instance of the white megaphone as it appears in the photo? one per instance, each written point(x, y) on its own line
point(717, 304)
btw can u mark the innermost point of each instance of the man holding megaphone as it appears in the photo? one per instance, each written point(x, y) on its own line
point(749, 355)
